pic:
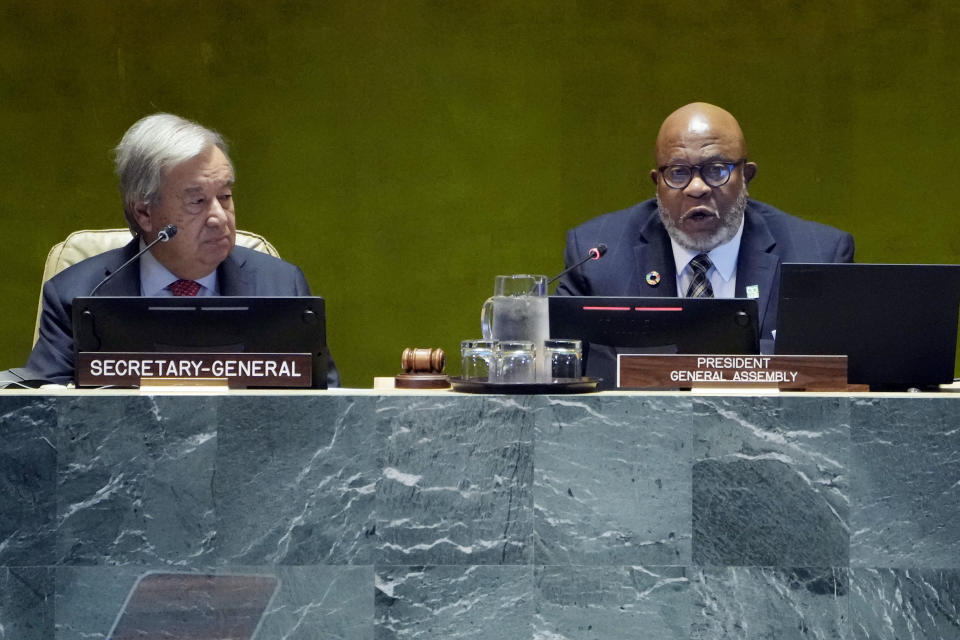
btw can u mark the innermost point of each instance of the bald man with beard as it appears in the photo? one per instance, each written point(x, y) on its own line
point(701, 218)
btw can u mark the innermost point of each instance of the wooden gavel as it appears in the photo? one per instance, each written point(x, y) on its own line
point(422, 360)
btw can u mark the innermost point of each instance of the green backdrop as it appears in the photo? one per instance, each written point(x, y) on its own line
point(405, 153)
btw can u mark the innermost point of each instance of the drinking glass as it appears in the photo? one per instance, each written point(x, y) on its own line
point(563, 357)
point(515, 361)
point(476, 359)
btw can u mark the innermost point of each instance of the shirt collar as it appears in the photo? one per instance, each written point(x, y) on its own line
point(724, 257)
point(155, 278)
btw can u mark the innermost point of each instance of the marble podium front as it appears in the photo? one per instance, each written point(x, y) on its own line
point(437, 515)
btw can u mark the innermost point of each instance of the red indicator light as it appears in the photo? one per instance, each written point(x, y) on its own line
point(658, 309)
point(606, 308)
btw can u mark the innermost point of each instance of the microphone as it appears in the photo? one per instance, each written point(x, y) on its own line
point(162, 236)
point(168, 232)
point(595, 253)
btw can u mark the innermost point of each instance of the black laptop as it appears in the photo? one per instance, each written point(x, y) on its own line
point(897, 323)
point(280, 324)
point(609, 326)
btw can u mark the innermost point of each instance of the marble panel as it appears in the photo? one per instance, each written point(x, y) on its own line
point(451, 602)
point(905, 604)
point(457, 480)
point(612, 481)
point(906, 470)
point(134, 480)
point(333, 602)
point(611, 603)
point(26, 603)
point(28, 480)
point(295, 479)
point(752, 603)
point(89, 599)
point(447, 516)
point(770, 481)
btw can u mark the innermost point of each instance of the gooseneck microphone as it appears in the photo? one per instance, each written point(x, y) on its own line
point(595, 253)
point(162, 236)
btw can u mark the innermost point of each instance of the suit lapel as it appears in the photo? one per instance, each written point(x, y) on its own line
point(653, 252)
point(234, 277)
point(126, 282)
point(757, 264)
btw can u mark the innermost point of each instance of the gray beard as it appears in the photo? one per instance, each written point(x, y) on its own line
point(730, 220)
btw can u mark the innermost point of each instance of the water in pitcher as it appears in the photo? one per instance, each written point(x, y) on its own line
point(523, 318)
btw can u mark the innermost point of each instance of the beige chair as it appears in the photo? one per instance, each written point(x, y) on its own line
point(81, 245)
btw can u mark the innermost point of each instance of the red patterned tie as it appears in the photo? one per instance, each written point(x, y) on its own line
point(184, 288)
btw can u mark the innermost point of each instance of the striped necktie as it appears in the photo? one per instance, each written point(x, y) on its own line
point(700, 286)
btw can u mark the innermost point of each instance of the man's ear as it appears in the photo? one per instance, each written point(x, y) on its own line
point(141, 212)
point(749, 171)
point(654, 174)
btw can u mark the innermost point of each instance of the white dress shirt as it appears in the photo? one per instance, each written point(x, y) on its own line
point(723, 273)
point(155, 278)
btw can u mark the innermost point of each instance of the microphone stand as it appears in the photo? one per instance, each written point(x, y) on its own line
point(162, 236)
point(594, 254)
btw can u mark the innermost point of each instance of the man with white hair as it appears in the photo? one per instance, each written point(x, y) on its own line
point(171, 171)
point(701, 236)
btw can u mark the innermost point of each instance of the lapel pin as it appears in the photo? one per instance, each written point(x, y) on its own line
point(653, 278)
point(753, 291)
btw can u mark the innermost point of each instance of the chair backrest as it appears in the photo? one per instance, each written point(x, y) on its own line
point(81, 245)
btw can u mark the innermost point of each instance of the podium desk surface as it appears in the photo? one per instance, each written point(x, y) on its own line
point(945, 391)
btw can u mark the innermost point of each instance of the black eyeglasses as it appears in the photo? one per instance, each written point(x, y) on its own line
point(714, 174)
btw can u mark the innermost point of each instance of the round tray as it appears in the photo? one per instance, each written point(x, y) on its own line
point(558, 385)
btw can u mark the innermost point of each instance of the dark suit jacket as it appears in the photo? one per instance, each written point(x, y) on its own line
point(245, 272)
point(637, 243)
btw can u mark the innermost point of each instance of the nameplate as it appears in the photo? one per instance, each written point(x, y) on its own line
point(811, 373)
point(239, 370)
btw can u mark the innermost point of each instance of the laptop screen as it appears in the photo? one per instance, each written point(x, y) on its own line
point(897, 323)
point(609, 326)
